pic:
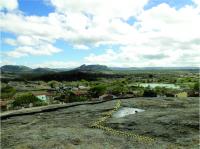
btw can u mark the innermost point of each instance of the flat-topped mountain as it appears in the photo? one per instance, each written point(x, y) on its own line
point(94, 68)
point(15, 68)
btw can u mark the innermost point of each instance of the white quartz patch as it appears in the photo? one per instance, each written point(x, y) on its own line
point(126, 111)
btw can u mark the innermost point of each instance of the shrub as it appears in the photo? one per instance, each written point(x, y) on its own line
point(98, 90)
point(7, 92)
point(118, 90)
point(149, 93)
point(196, 86)
point(71, 97)
point(74, 98)
point(26, 99)
point(53, 84)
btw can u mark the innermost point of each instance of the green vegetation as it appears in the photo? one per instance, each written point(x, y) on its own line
point(53, 84)
point(149, 93)
point(69, 96)
point(74, 98)
point(26, 99)
point(7, 92)
point(196, 86)
point(90, 82)
point(98, 90)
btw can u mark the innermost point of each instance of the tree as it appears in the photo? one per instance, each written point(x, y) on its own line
point(84, 82)
point(196, 87)
point(149, 93)
point(7, 92)
point(150, 75)
point(119, 89)
point(53, 84)
point(98, 90)
point(26, 99)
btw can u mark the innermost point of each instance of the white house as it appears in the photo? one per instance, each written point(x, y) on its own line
point(42, 96)
point(83, 87)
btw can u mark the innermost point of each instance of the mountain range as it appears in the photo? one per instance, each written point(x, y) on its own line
point(18, 69)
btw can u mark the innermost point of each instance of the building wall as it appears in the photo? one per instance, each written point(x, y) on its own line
point(183, 94)
point(42, 97)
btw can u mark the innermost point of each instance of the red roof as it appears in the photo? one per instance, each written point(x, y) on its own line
point(78, 93)
point(3, 103)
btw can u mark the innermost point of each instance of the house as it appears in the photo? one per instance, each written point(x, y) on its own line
point(181, 94)
point(80, 93)
point(43, 96)
point(81, 87)
point(107, 97)
point(67, 88)
point(3, 105)
point(160, 95)
point(11, 83)
point(74, 89)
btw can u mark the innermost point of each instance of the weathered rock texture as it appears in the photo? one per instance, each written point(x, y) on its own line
point(173, 123)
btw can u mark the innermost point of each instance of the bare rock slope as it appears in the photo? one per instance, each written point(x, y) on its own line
point(171, 122)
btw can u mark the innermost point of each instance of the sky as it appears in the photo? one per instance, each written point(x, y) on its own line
point(116, 33)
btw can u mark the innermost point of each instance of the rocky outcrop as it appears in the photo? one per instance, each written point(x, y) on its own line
point(69, 127)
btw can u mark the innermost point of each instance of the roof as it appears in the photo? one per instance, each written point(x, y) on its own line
point(3, 103)
point(105, 95)
point(39, 94)
point(80, 92)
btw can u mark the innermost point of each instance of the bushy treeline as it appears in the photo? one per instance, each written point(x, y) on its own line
point(26, 99)
point(71, 76)
point(7, 91)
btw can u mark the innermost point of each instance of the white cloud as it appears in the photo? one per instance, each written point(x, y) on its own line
point(81, 47)
point(161, 35)
point(45, 49)
point(57, 64)
point(165, 37)
point(197, 2)
point(109, 9)
point(45, 28)
point(164, 21)
point(142, 56)
point(10, 41)
point(6, 62)
point(8, 5)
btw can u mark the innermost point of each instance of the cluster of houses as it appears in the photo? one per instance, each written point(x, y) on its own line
point(79, 91)
point(62, 89)
point(83, 91)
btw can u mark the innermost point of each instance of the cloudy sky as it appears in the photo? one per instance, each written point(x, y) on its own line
point(123, 33)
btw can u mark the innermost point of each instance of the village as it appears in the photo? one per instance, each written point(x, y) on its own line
point(18, 95)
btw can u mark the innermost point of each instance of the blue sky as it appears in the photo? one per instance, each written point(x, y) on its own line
point(57, 34)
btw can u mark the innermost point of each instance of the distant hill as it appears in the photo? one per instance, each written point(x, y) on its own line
point(153, 68)
point(43, 70)
point(19, 69)
point(86, 72)
point(15, 69)
point(92, 68)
